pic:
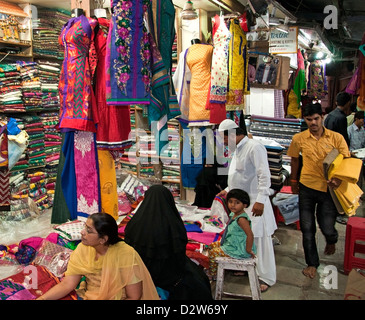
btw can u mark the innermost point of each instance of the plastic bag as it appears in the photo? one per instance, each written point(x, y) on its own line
point(54, 257)
point(288, 205)
point(16, 146)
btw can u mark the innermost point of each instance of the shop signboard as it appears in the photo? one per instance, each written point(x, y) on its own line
point(283, 42)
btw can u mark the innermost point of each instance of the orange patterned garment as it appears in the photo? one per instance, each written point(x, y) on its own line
point(199, 59)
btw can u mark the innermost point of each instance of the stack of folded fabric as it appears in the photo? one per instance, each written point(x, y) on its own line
point(274, 155)
point(31, 86)
point(35, 150)
point(147, 155)
point(49, 75)
point(10, 88)
point(52, 137)
point(37, 188)
point(170, 154)
point(52, 142)
point(19, 190)
point(46, 29)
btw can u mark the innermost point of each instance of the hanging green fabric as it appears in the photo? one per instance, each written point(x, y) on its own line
point(300, 82)
point(60, 212)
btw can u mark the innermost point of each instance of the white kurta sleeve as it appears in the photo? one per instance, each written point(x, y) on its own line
point(261, 163)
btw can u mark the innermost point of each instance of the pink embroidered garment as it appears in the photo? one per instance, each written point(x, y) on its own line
point(86, 169)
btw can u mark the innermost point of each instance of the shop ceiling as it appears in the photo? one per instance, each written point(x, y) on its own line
point(308, 15)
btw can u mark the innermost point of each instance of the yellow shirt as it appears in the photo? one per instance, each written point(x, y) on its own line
point(108, 276)
point(313, 152)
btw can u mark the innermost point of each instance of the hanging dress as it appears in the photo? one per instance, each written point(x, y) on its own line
point(87, 174)
point(129, 74)
point(317, 84)
point(219, 72)
point(198, 59)
point(158, 110)
point(238, 67)
point(114, 121)
point(78, 118)
point(77, 101)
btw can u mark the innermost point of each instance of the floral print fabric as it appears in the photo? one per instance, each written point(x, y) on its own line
point(219, 73)
point(129, 56)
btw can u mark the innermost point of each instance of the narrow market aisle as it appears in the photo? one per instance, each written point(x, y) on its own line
point(291, 283)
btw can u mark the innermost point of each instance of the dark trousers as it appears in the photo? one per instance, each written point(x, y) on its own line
point(314, 203)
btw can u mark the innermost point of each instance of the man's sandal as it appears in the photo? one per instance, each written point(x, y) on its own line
point(263, 284)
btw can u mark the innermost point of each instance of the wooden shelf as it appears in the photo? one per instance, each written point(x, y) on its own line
point(16, 55)
point(16, 43)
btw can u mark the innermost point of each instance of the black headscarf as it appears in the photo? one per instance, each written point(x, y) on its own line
point(157, 233)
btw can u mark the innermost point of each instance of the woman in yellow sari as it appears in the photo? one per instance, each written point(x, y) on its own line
point(113, 269)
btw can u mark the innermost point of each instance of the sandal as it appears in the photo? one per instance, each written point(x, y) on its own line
point(262, 283)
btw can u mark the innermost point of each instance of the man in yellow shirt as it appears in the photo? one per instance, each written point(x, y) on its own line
point(310, 183)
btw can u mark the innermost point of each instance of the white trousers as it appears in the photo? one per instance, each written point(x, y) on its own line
point(266, 266)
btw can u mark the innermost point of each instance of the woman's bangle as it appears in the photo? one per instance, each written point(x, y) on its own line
point(292, 180)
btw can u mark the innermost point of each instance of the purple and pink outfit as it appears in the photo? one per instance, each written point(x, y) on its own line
point(78, 118)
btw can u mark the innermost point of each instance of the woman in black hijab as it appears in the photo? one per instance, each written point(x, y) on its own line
point(157, 233)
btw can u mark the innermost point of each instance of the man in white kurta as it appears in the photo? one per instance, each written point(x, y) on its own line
point(249, 171)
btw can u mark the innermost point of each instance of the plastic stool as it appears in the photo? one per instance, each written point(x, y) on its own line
point(249, 265)
point(355, 231)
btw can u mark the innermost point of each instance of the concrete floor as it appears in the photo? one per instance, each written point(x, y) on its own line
point(291, 283)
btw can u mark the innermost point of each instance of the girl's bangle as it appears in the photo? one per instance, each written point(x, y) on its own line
point(291, 180)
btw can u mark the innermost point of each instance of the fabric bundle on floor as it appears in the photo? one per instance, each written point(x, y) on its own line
point(45, 258)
